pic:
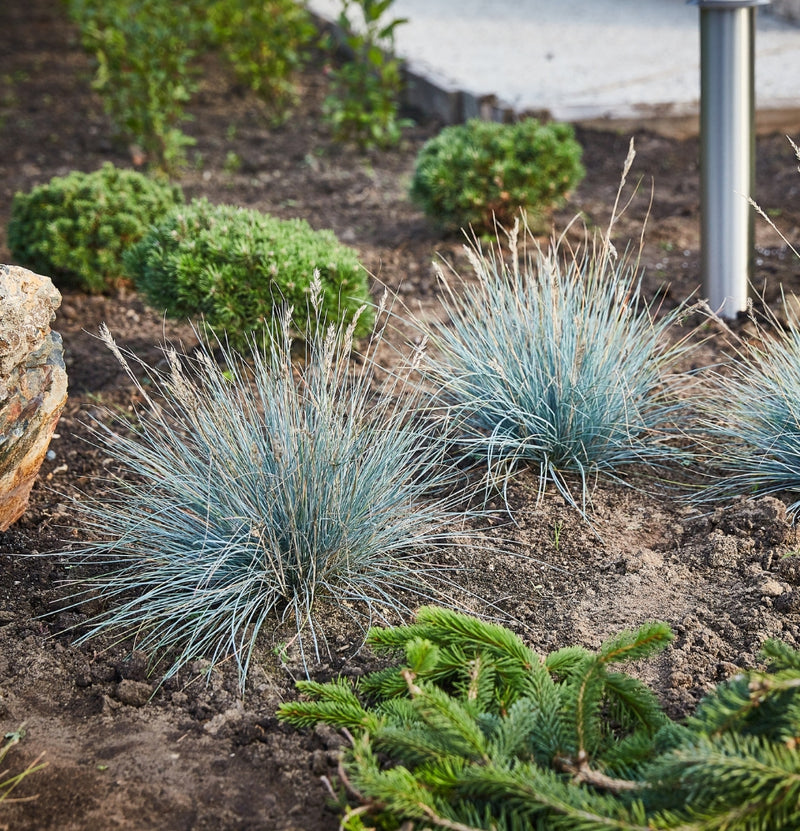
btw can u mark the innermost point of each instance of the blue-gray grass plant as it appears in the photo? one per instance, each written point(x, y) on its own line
point(250, 489)
point(751, 407)
point(751, 416)
point(557, 363)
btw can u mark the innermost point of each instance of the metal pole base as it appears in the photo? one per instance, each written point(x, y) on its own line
point(727, 150)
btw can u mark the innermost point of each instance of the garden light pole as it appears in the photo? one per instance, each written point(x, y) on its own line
point(727, 150)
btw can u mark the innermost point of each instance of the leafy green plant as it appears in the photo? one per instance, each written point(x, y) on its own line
point(232, 162)
point(559, 365)
point(144, 51)
point(251, 490)
point(363, 105)
point(9, 781)
point(480, 173)
point(236, 267)
point(265, 43)
point(75, 228)
point(473, 730)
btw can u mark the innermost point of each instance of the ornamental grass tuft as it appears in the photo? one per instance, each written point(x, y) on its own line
point(751, 407)
point(249, 490)
point(8, 780)
point(751, 416)
point(557, 364)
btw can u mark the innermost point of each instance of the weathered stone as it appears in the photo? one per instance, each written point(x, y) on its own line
point(33, 383)
point(28, 304)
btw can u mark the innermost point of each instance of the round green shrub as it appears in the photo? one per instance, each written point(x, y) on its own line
point(75, 228)
point(482, 172)
point(235, 267)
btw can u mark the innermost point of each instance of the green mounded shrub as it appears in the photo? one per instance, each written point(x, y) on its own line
point(75, 228)
point(234, 267)
point(474, 730)
point(266, 44)
point(481, 173)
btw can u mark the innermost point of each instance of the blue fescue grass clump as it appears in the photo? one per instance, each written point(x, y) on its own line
point(751, 407)
point(751, 416)
point(251, 489)
point(559, 364)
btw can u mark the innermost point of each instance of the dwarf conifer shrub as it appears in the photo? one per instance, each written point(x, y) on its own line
point(76, 228)
point(474, 730)
point(253, 489)
point(480, 173)
point(236, 267)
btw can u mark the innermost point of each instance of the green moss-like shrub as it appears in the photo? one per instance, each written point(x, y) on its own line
point(234, 267)
point(479, 173)
point(75, 228)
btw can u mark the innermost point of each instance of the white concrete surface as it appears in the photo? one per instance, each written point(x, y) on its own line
point(580, 59)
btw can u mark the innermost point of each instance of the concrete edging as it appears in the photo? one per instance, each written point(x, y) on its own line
point(787, 9)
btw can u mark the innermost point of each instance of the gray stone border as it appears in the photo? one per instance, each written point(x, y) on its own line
point(451, 105)
point(786, 9)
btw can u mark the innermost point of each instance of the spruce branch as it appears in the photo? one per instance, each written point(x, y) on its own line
point(453, 626)
point(528, 792)
point(452, 720)
point(581, 773)
point(587, 704)
point(631, 646)
point(442, 822)
point(335, 703)
point(780, 656)
point(732, 782)
point(761, 686)
point(565, 660)
point(475, 743)
point(633, 704)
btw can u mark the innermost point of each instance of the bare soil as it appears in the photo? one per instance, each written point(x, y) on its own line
point(197, 755)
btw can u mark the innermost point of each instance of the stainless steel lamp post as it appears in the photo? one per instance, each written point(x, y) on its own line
point(727, 149)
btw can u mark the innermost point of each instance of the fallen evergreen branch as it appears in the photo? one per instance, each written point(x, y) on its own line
point(474, 730)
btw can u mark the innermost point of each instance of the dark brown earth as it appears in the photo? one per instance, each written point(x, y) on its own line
point(198, 756)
